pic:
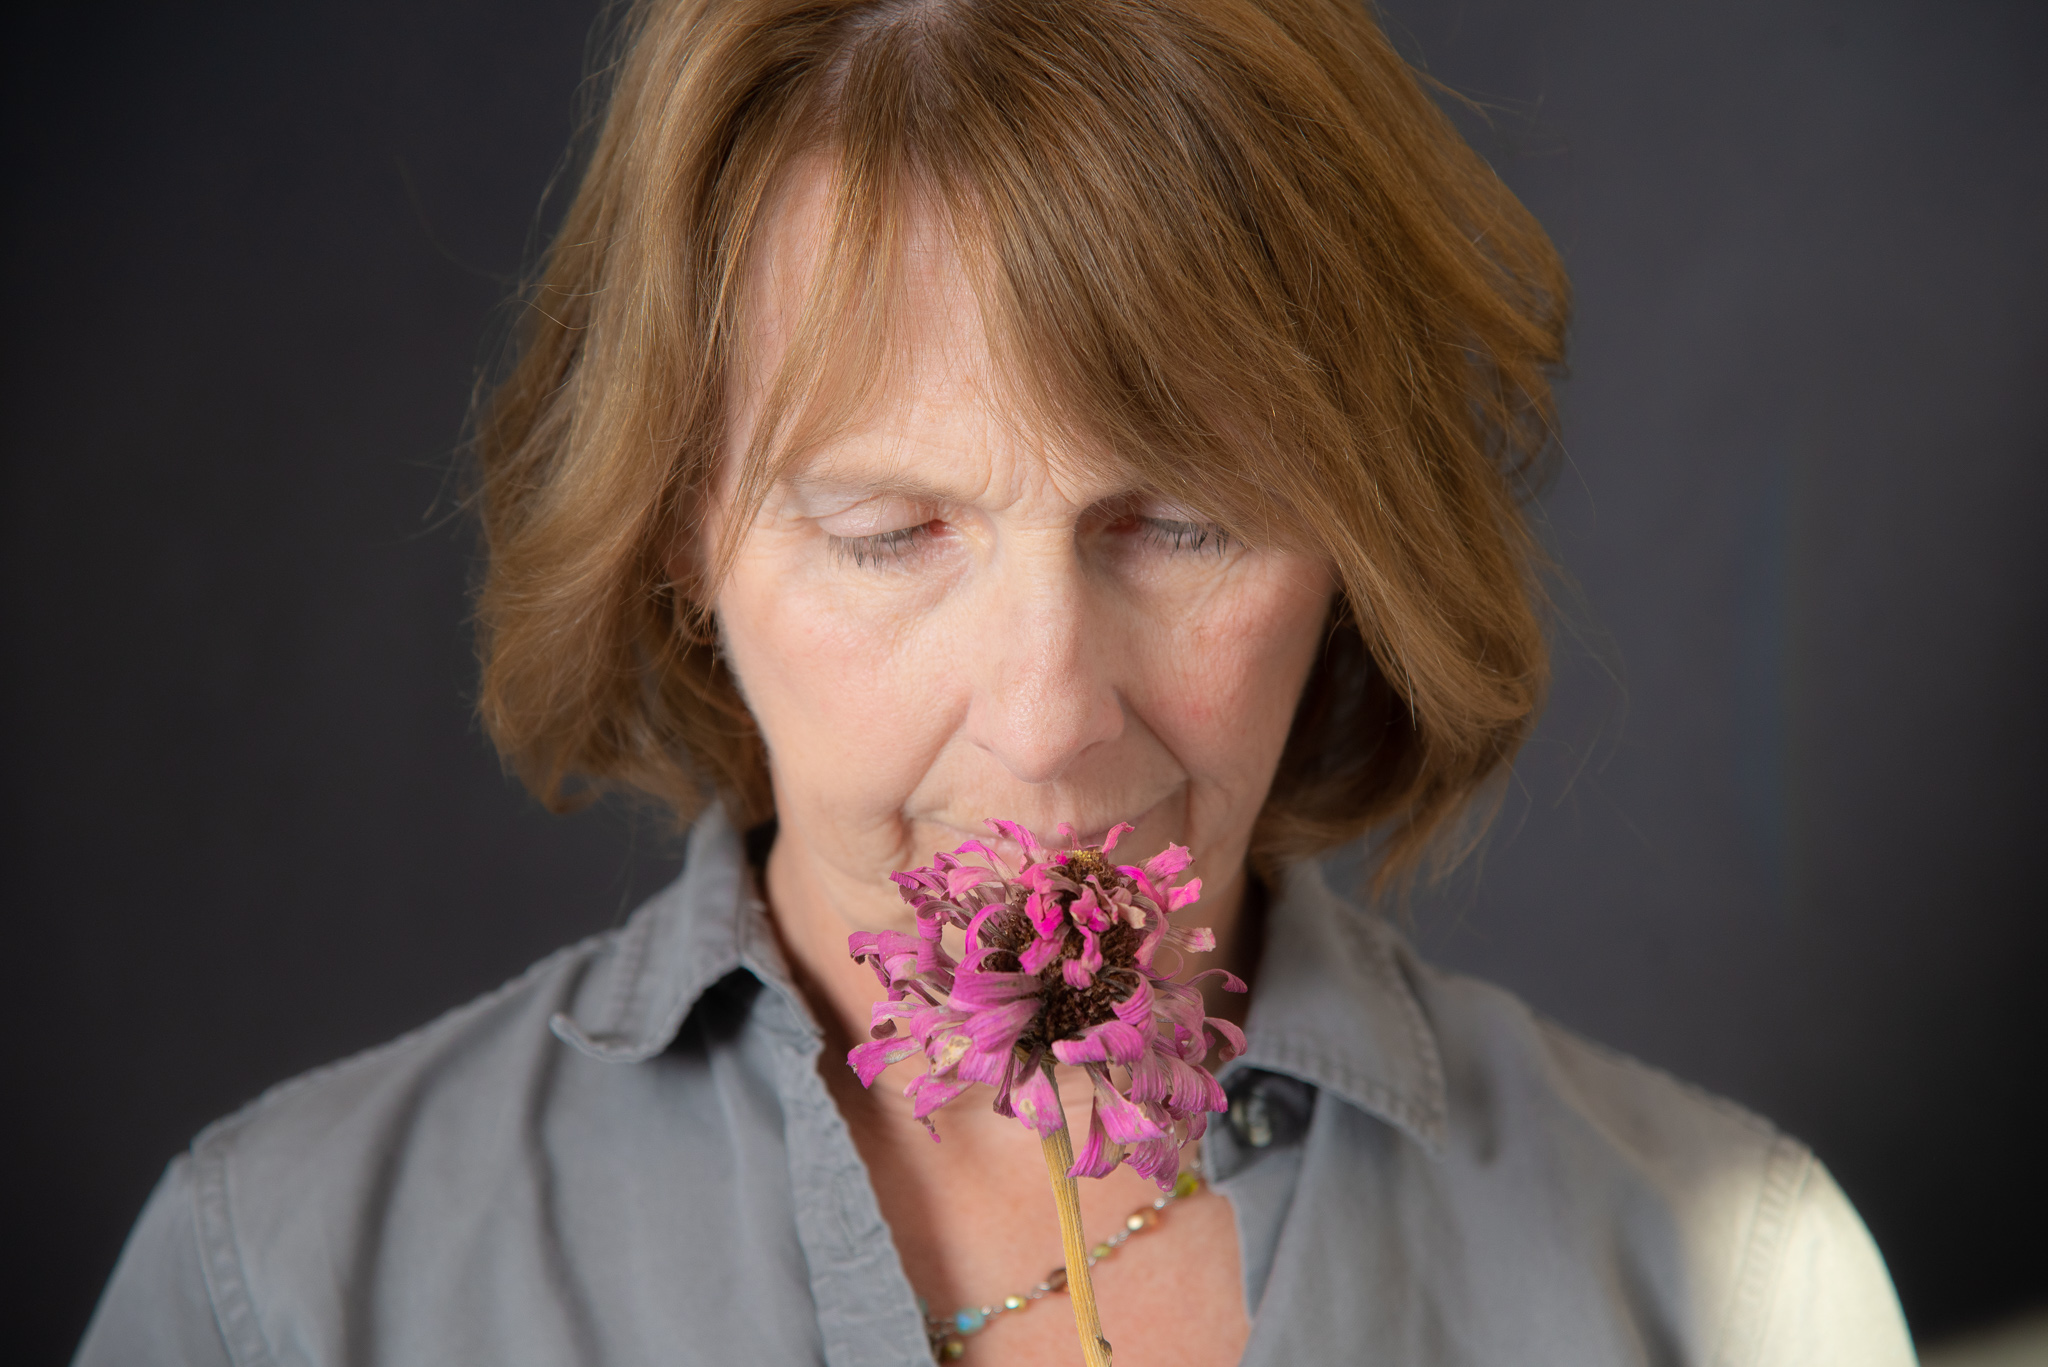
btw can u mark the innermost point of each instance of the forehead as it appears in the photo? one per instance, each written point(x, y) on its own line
point(882, 360)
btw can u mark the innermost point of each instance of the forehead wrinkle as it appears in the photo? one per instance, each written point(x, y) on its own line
point(863, 465)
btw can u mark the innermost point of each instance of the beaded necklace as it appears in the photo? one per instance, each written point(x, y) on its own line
point(949, 1334)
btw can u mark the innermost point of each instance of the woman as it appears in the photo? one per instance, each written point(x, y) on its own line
point(1079, 412)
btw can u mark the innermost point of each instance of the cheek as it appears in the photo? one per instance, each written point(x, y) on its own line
point(1225, 699)
point(833, 684)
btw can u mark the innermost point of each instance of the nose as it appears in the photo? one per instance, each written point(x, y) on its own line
point(1045, 664)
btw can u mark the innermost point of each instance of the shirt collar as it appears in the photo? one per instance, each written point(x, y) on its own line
point(707, 923)
point(1335, 1006)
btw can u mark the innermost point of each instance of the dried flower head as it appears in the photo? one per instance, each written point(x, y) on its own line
point(1061, 965)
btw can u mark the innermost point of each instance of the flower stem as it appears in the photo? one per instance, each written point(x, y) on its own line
point(1059, 1156)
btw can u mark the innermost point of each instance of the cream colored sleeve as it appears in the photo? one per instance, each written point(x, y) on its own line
point(1831, 1303)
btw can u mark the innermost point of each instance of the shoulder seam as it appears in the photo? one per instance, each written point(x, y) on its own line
point(220, 1258)
point(220, 1262)
point(1786, 1172)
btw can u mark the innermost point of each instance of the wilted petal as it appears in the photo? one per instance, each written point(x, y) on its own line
point(1191, 939)
point(996, 1029)
point(1012, 831)
point(1046, 915)
point(1231, 982)
point(1038, 954)
point(1091, 950)
point(947, 1049)
point(1136, 1009)
point(883, 1015)
point(1126, 1123)
point(1116, 832)
point(1194, 1088)
point(1186, 895)
point(1098, 1156)
point(1036, 1102)
point(1178, 1005)
point(1075, 974)
point(1158, 1159)
point(931, 1091)
point(1151, 1078)
point(1233, 1040)
point(1110, 1042)
point(1167, 863)
point(1087, 910)
point(870, 1059)
point(960, 879)
point(992, 989)
point(983, 1065)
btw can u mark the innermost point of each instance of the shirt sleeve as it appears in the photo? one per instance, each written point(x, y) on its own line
point(156, 1308)
point(1831, 1302)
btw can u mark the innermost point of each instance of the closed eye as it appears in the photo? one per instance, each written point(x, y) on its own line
point(1178, 536)
point(882, 548)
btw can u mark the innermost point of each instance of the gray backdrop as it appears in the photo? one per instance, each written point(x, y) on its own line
point(1777, 833)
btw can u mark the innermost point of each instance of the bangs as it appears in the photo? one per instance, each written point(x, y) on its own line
point(1129, 308)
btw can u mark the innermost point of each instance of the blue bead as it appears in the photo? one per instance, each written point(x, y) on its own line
point(969, 1321)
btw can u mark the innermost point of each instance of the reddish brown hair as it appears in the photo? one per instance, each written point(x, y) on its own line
point(1231, 241)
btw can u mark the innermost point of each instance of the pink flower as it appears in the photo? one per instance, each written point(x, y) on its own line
point(1061, 966)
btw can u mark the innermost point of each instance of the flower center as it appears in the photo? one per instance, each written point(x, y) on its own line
point(1082, 863)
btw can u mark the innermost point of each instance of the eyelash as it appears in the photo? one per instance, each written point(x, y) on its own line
point(1192, 537)
point(865, 551)
point(1176, 537)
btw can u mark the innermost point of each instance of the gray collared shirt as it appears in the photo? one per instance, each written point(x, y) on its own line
point(628, 1155)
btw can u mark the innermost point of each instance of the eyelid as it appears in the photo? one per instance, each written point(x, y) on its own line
point(875, 516)
point(880, 547)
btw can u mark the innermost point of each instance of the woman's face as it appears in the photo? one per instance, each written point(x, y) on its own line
point(938, 618)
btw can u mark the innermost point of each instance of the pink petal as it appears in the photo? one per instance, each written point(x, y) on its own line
point(883, 1015)
point(1179, 1005)
point(870, 1059)
point(1076, 974)
point(1011, 830)
point(995, 1030)
point(996, 861)
point(1039, 953)
point(1151, 1078)
point(1231, 982)
point(1121, 828)
point(1125, 1123)
point(992, 989)
point(1158, 1159)
point(982, 1065)
point(931, 1091)
point(966, 876)
point(1186, 895)
point(1167, 863)
point(1233, 1040)
point(1087, 910)
point(1136, 1009)
point(1192, 939)
point(1036, 1102)
point(1194, 1089)
point(1098, 1157)
point(974, 932)
point(1110, 1042)
point(1047, 916)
